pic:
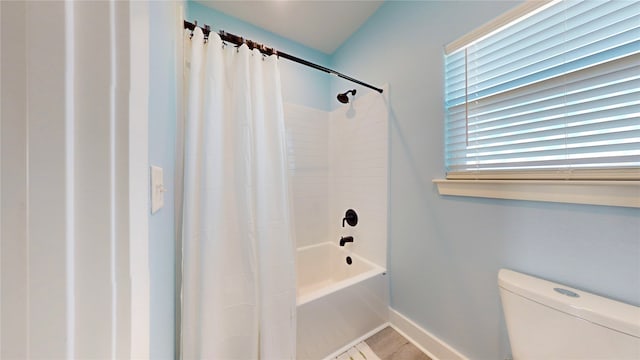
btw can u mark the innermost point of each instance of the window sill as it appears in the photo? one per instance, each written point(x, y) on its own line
point(608, 192)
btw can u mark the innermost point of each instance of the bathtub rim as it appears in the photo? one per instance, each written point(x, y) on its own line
point(317, 294)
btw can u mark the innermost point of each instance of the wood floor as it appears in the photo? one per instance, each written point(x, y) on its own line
point(388, 344)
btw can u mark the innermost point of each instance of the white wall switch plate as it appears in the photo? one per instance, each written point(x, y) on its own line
point(157, 189)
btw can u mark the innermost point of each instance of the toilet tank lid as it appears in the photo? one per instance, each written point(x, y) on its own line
point(597, 309)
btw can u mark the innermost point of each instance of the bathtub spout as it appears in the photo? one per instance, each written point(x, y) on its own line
point(345, 239)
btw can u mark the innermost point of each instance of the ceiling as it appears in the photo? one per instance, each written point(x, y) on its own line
point(321, 25)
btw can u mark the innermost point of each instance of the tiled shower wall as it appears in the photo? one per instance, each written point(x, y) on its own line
point(339, 161)
point(307, 134)
point(358, 168)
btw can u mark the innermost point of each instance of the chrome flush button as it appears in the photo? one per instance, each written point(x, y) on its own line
point(566, 292)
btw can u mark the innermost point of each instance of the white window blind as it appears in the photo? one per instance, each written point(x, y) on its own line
point(555, 91)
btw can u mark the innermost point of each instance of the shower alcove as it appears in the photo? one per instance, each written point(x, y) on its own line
point(338, 160)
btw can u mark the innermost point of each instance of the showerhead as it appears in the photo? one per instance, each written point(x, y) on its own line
point(343, 98)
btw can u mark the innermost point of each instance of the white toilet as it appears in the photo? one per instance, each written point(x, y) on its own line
point(552, 321)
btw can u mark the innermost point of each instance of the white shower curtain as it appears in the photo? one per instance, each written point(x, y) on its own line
point(238, 285)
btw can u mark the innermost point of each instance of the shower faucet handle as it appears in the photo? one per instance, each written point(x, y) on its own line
point(350, 217)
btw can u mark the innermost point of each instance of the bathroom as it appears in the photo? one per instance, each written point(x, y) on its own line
point(443, 253)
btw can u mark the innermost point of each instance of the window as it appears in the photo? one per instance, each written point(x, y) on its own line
point(552, 92)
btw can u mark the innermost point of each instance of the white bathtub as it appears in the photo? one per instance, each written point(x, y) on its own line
point(337, 303)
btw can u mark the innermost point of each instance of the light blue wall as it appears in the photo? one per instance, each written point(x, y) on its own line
point(162, 142)
point(300, 84)
point(445, 252)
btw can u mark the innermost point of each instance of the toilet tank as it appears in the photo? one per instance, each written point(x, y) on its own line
point(546, 320)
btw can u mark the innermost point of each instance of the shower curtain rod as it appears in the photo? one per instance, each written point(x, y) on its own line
point(239, 40)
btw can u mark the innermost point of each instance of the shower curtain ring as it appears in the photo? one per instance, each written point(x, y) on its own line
point(195, 25)
point(207, 31)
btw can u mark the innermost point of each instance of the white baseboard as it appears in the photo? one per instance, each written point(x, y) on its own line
point(435, 348)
